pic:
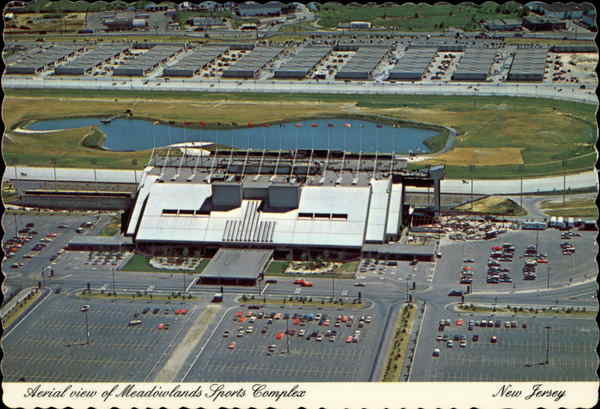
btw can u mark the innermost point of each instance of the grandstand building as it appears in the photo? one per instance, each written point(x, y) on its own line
point(302, 203)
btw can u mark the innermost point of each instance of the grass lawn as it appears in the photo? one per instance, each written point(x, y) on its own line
point(277, 267)
point(139, 263)
point(11, 317)
point(495, 133)
point(497, 205)
point(417, 17)
point(571, 208)
point(399, 347)
point(148, 297)
point(112, 228)
point(565, 311)
point(349, 267)
point(314, 303)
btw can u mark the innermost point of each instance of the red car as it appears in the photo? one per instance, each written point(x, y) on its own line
point(181, 311)
point(542, 261)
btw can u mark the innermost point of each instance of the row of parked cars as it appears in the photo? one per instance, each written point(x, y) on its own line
point(300, 321)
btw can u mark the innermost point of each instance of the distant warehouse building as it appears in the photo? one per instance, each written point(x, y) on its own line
point(272, 8)
point(569, 10)
point(363, 63)
point(504, 25)
point(194, 62)
point(302, 64)
point(535, 23)
point(413, 64)
point(206, 22)
point(528, 65)
point(474, 65)
point(250, 64)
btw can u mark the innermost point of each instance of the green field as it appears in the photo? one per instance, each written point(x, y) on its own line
point(276, 267)
point(402, 329)
point(525, 136)
point(417, 17)
point(139, 262)
point(496, 205)
point(571, 208)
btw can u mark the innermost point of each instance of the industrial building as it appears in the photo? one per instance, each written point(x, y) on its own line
point(571, 10)
point(303, 63)
point(297, 203)
point(536, 23)
point(475, 64)
point(84, 63)
point(142, 64)
point(363, 63)
point(250, 64)
point(206, 22)
point(272, 8)
point(528, 65)
point(413, 65)
point(38, 59)
point(194, 62)
point(504, 25)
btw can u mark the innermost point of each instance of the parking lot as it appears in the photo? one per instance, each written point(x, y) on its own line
point(33, 242)
point(401, 272)
point(519, 354)
point(49, 345)
point(552, 269)
point(262, 354)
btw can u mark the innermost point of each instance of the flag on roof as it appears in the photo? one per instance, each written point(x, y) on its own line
point(348, 125)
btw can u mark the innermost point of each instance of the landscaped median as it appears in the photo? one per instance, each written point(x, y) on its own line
point(566, 311)
point(312, 269)
point(24, 301)
point(397, 353)
point(136, 295)
point(141, 263)
point(324, 302)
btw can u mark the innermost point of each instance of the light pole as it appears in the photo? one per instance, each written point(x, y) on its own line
point(548, 277)
point(113, 281)
point(183, 293)
point(547, 328)
point(84, 309)
point(287, 335)
point(333, 285)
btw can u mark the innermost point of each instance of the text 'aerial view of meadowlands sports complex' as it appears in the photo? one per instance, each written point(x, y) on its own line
point(255, 199)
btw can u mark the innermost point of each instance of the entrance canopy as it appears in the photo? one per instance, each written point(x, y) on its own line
point(236, 266)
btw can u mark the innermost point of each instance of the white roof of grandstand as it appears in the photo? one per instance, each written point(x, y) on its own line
point(393, 220)
point(281, 227)
point(378, 210)
point(144, 190)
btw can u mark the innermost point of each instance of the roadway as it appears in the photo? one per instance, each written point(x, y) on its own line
point(551, 91)
point(583, 180)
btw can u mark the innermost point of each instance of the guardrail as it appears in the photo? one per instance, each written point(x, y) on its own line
point(17, 302)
